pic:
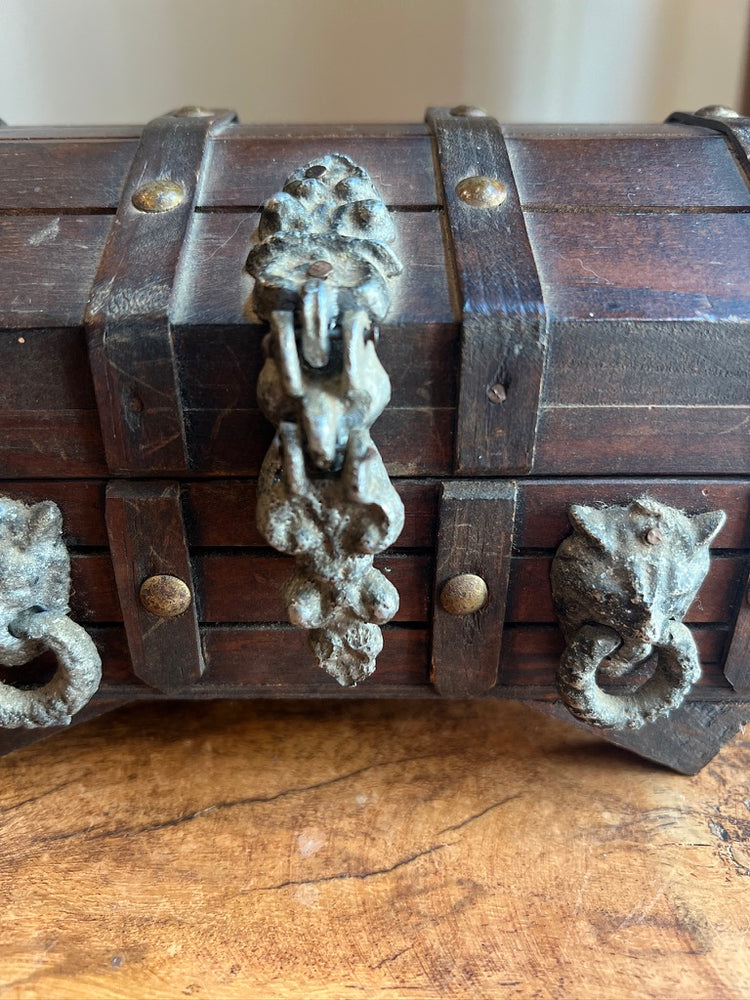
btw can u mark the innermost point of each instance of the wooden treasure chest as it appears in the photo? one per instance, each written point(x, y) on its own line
point(439, 410)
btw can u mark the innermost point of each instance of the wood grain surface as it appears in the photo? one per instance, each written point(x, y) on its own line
point(430, 850)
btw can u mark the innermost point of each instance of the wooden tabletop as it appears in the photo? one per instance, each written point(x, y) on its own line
point(420, 850)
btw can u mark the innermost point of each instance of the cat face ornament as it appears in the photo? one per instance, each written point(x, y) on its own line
point(622, 582)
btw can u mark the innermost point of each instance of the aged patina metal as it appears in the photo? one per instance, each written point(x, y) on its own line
point(159, 196)
point(463, 594)
point(34, 590)
point(622, 583)
point(165, 596)
point(482, 192)
point(321, 267)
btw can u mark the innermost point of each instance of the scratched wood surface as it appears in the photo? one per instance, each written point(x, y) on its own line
point(378, 850)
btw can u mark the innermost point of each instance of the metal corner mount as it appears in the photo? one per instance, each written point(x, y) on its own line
point(622, 582)
point(34, 589)
point(322, 263)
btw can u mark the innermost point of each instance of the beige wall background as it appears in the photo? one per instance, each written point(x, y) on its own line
point(99, 61)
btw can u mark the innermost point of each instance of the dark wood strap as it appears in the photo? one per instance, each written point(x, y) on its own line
point(733, 126)
point(475, 535)
point(504, 323)
point(127, 318)
point(737, 663)
point(147, 538)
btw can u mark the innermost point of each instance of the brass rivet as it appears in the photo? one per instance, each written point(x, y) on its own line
point(496, 393)
point(159, 196)
point(319, 269)
point(191, 111)
point(717, 111)
point(654, 536)
point(481, 192)
point(464, 594)
point(165, 596)
point(468, 111)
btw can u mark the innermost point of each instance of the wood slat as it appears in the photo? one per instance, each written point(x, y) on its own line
point(597, 265)
point(55, 443)
point(73, 174)
point(219, 366)
point(604, 170)
point(222, 514)
point(47, 267)
point(213, 288)
point(667, 363)
point(643, 440)
point(244, 170)
point(542, 520)
point(413, 442)
point(246, 588)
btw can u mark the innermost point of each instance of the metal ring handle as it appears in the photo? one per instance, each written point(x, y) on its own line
point(75, 681)
point(677, 669)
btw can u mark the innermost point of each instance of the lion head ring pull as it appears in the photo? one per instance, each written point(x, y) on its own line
point(34, 589)
point(322, 263)
point(622, 583)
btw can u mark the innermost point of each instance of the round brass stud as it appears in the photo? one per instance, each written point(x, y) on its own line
point(482, 192)
point(159, 196)
point(464, 594)
point(191, 111)
point(468, 111)
point(165, 596)
point(717, 111)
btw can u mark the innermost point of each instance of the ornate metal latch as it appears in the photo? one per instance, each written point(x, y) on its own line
point(622, 583)
point(321, 267)
point(34, 589)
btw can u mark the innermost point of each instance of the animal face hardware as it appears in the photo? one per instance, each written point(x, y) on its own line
point(321, 266)
point(34, 587)
point(622, 582)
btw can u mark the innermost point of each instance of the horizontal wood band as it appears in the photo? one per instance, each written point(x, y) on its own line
point(266, 661)
point(220, 514)
point(131, 350)
point(504, 324)
point(732, 126)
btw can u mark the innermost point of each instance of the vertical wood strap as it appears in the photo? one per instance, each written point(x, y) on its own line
point(475, 536)
point(147, 538)
point(729, 123)
point(737, 663)
point(127, 319)
point(504, 323)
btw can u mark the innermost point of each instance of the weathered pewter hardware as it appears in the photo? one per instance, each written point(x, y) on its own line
point(34, 589)
point(321, 267)
point(622, 583)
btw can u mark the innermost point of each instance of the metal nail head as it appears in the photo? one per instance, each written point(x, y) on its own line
point(165, 596)
point(463, 594)
point(159, 196)
point(481, 191)
point(468, 111)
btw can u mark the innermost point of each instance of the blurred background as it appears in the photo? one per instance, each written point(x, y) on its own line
point(118, 61)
